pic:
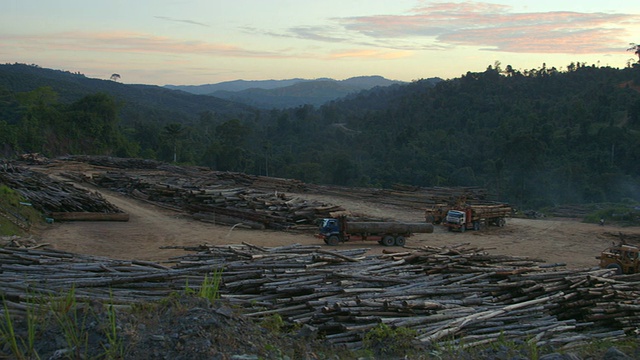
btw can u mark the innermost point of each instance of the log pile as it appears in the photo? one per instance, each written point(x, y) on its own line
point(252, 201)
point(220, 202)
point(48, 195)
point(462, 294)
point(401, 195)
point(458, 296)
point(407, 196)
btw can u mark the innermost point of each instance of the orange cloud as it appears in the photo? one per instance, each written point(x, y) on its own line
point(496, 27)
point(130, 42)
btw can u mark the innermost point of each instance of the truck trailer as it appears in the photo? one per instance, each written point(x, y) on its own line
point(474, 217)
point(336, 230)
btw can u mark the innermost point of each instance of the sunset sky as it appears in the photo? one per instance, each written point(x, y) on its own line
point(195, 42)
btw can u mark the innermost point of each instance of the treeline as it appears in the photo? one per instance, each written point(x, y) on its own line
point(36, 121)
point(534, 138)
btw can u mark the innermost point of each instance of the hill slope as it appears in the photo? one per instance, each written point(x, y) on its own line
point(136, 99)
point(268, 94)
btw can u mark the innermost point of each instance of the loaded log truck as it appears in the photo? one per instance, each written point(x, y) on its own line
point(336, 230)
point(474, 217)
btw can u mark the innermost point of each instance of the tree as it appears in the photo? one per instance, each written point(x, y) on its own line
point(115, 77)
point(173, 133)
point(90, 125)
point(231, 139)
point(636, 50)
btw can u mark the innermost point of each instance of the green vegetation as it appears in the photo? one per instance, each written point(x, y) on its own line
point(273, 323)
point(384, 341)
point(114, 347)
point(535, 138)
point(620, 214)
point(16, 215)
point(210, 288)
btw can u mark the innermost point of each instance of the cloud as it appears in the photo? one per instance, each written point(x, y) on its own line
point(129, 42)
point(316, 33)
point(191, 22)
point(497, 27)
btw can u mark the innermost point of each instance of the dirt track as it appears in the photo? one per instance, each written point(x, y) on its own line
point(151, 227)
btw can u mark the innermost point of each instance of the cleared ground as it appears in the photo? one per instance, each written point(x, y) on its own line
point(150, 227)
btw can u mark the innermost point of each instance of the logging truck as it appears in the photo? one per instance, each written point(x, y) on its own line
point(623, 258)
point(474, 217)
point(336, 230)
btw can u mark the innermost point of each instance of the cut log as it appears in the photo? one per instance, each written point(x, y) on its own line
point(89, 216)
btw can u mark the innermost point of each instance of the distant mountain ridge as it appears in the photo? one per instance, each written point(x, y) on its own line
point(287, 93)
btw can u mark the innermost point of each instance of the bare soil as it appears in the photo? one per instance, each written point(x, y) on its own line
point(557, 240)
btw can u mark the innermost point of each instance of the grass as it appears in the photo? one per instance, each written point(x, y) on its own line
point(210, 288)
point(72, 320)
point(114, 348)
point(8, 334)
point(15, 207)
point(21, 348)
point(63, 312)
point(384, 340)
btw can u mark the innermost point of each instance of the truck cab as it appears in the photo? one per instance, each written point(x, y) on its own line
point(330, 231)
point(461, 220)
point(329, 227)
point(456, 217)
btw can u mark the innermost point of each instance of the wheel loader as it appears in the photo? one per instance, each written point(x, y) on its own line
point(624, 258)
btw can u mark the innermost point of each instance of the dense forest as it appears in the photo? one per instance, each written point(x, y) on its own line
point(534, 138)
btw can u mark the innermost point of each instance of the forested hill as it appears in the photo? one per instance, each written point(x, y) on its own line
point(138, 101)
point(534, 138)
point(538, 138)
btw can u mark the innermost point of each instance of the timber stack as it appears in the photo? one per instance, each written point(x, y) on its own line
point(222, 202)
point(254, 201)
point(50, 196)
point(458, 296)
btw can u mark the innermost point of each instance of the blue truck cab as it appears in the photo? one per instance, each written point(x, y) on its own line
point(330, 227)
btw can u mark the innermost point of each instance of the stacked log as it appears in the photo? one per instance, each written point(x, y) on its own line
point(253, 201)
point(89, 216)
point(220, 203)
point(399, 195)
point(49, 195)
point(461, 296)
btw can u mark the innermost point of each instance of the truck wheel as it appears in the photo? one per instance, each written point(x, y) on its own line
point(616, 267)
point(388, 240)
point(476, 225)
point(400, 241)
point(333, 240)
point(501, 222)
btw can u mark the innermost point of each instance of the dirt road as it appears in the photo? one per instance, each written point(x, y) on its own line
point(151, 227)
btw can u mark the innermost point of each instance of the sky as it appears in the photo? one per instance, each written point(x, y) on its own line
point(193, 42)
